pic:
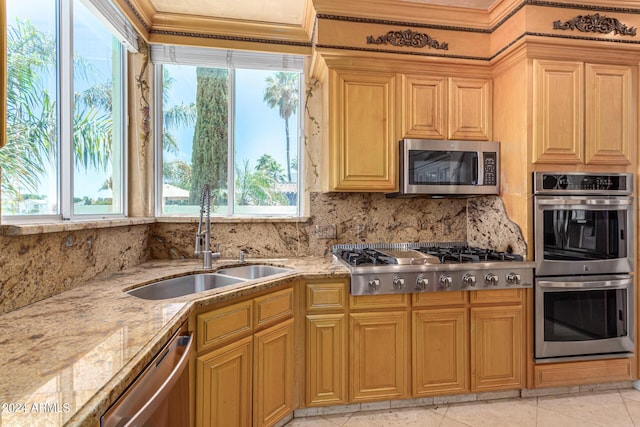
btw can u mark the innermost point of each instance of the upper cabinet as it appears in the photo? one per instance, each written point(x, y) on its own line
point(362, 153)
point(370, 111)
point(446, 108)
point(583, 113)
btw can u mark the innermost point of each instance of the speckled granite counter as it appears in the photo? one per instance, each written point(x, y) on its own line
point(65, 359)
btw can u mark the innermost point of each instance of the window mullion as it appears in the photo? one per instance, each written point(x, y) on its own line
point(66, 105)
point(231, 184)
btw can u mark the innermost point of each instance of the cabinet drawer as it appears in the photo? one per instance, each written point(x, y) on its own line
point(438, 299)
point(326, 296)
point(379, 301)
point(224, 324)
point(498, 296)
point(273, 307)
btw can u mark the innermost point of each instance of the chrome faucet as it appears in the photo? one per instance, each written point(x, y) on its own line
point(203, 238)
point(241, 255)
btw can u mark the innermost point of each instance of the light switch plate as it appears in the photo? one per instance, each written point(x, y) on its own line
point(326, 231)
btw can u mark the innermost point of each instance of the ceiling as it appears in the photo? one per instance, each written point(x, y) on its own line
point(288, 12)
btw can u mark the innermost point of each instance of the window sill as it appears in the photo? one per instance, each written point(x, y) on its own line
point(229, 219)
point(63, 226)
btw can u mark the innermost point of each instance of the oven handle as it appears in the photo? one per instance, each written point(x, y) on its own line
point(615, 283)
point(589, 202)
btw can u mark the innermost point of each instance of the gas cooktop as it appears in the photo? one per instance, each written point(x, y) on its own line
point(381, 268)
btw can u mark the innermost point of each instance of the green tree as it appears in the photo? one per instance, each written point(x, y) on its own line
point(255, 187)
point(177, 173)
point(209, 155)
point(31, 113)
point(181, 115)
point(271, 167)
point(283, 92)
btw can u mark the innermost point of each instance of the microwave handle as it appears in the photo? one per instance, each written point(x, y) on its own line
point(474, 170)
point(614, 283)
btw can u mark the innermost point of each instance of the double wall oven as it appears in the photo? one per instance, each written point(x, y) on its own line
point(584, 288)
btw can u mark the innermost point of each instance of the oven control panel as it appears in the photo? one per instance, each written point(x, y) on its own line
point(582, 183)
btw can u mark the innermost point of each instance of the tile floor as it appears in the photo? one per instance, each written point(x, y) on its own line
point(610, 408)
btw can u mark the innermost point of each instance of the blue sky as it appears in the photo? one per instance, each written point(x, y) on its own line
point(258, 128)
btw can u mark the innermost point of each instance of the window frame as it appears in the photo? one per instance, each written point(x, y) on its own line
point(190, 57)
point(65, 162)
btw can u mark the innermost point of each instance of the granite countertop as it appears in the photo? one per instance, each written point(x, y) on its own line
point(67, 358)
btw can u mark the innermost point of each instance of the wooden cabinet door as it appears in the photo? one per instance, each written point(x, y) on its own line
point(223, 386)
point(362, 140)
point(273, 374)
point(609, 113)
point(558, 110)
point(497, 348)
point(326, 359)
point(439, 357)
point(470, 109)
point(424, 107)
point(379, 359)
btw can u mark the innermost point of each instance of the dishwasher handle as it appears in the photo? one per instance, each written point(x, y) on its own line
point(153, 386)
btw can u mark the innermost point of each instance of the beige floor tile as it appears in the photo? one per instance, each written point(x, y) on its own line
point(601, 408)
point(545, 418)
point(414, 417)
point(508, 412)
point(631, 398)
point(311, 422)
point(450, 422)
point(338, 419)
point(630, 394)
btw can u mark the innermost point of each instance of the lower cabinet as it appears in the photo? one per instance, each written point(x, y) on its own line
point(326, 360)
point(467, 342)
point(379, 362)
point(439, 351)
point(247, 379)
point(273, 376)
point(223, 385)
point(497, 348)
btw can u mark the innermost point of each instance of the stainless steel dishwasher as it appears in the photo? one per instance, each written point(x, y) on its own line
point(160, 394)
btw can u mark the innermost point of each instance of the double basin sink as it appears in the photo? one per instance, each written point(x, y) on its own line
point(200, 282)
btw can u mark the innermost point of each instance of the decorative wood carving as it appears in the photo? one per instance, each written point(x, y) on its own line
point(407, 38)
point(595, 24)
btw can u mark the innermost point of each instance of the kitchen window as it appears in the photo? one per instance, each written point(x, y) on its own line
point(66, 109)
point(230, 119)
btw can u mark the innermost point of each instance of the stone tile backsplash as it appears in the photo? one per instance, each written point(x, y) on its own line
point(34, 267)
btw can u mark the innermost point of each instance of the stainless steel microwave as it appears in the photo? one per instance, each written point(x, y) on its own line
point(441, 168)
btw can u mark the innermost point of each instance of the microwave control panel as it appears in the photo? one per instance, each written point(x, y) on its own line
point(490, 168)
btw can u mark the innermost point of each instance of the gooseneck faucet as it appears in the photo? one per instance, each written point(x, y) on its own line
point(203, 238)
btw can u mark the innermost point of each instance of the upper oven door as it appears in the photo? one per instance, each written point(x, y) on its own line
point(583, 235)
point(449, 167)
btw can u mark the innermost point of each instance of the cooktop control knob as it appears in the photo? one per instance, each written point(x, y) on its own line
point(398, 282)
point(374, 283)
point(491, 279)
point(445, 281)
point(422, 283)
point(468, 280)
point(513, 279)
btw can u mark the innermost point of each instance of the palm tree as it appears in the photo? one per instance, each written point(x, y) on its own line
point(270, 166)
point(31, 113)
point(282, 91)
point(255, 187)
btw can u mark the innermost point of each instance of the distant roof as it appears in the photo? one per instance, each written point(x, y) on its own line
point(172, 192)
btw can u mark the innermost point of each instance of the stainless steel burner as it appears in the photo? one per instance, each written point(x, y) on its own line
point(431, 267)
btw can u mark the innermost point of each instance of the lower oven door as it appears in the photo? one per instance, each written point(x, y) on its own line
point(578, 316)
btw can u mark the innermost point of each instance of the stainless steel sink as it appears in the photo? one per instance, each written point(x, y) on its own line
point(249, 272)
point(184, 285)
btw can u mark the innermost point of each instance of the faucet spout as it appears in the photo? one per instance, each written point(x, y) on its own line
point(203, 236)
